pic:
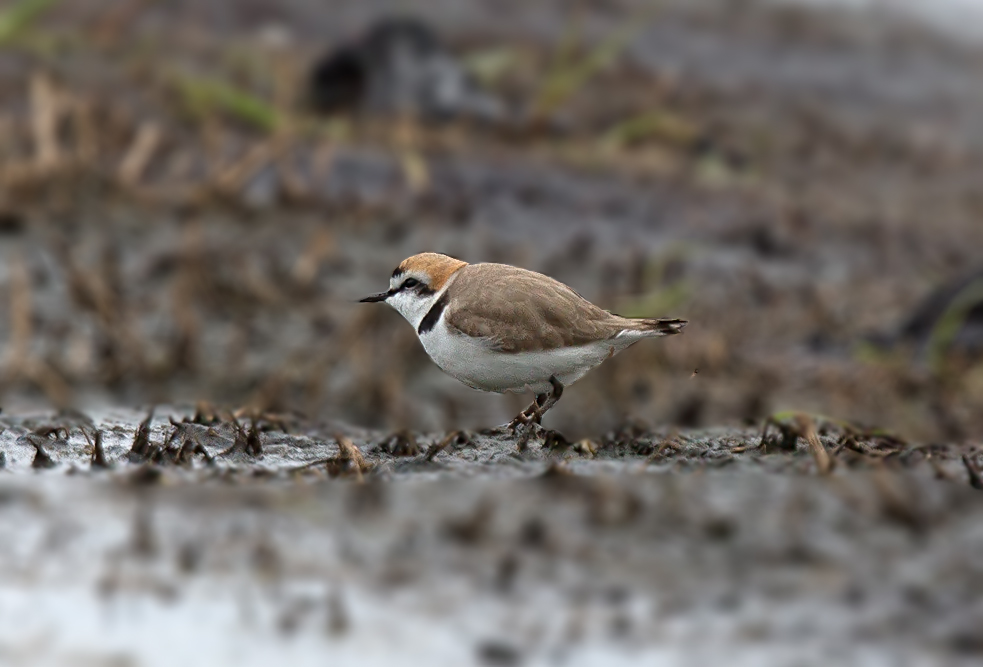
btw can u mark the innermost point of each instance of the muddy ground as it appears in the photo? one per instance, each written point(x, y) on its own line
point(178, 230)
point(209, 543)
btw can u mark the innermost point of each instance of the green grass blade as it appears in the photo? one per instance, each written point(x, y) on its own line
point(659, 124)
point(204, 96)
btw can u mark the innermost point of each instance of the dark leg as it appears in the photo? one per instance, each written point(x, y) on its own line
point(534, 413)
point(553, 397)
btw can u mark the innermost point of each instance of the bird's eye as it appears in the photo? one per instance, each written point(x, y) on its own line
point(410, 283)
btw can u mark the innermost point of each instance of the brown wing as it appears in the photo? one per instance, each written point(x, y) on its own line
point(518, 310)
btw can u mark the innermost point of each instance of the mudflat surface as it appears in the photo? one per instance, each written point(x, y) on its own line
point(221, 543)
point(793, 480)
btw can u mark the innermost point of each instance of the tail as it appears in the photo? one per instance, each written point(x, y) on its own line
point(655, 327)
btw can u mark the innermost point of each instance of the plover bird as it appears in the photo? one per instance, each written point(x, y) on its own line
point(500, 328)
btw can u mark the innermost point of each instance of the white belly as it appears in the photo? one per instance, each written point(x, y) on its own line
point(474, 363)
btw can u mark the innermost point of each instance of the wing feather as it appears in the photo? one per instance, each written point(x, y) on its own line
point(518, 310)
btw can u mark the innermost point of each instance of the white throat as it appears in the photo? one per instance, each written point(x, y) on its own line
point(414, 307)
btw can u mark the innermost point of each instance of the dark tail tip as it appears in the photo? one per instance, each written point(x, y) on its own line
point(666, 326)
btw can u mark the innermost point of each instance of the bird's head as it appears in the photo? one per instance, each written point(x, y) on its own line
point(417, 283)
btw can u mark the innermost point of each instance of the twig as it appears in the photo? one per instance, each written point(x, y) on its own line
point(438, 447)
point(807, 427)
point(140, 153)
point(44, 122)
point(975, 480)
point(349, 452)
point(141, 439)
point(98, 459)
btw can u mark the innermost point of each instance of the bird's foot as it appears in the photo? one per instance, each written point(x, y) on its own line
point(509, 428)
point(531, 415)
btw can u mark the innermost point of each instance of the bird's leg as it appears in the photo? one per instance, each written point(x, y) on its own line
point(552, 399)
point(534, 413)
point(530, 414)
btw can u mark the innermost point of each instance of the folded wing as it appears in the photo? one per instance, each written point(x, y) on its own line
point(517, 310)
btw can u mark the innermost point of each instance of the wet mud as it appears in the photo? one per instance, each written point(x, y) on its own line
point(298, 539)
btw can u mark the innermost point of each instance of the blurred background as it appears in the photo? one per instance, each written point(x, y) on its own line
point(194, 195)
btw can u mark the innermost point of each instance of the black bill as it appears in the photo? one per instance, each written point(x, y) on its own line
point(376, 297)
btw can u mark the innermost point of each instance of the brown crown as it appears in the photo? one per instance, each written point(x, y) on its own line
point(439, 267)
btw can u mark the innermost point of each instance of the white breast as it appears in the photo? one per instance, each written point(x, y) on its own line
point(473, 362)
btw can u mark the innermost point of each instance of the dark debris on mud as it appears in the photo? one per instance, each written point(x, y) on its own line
point(220, 444)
